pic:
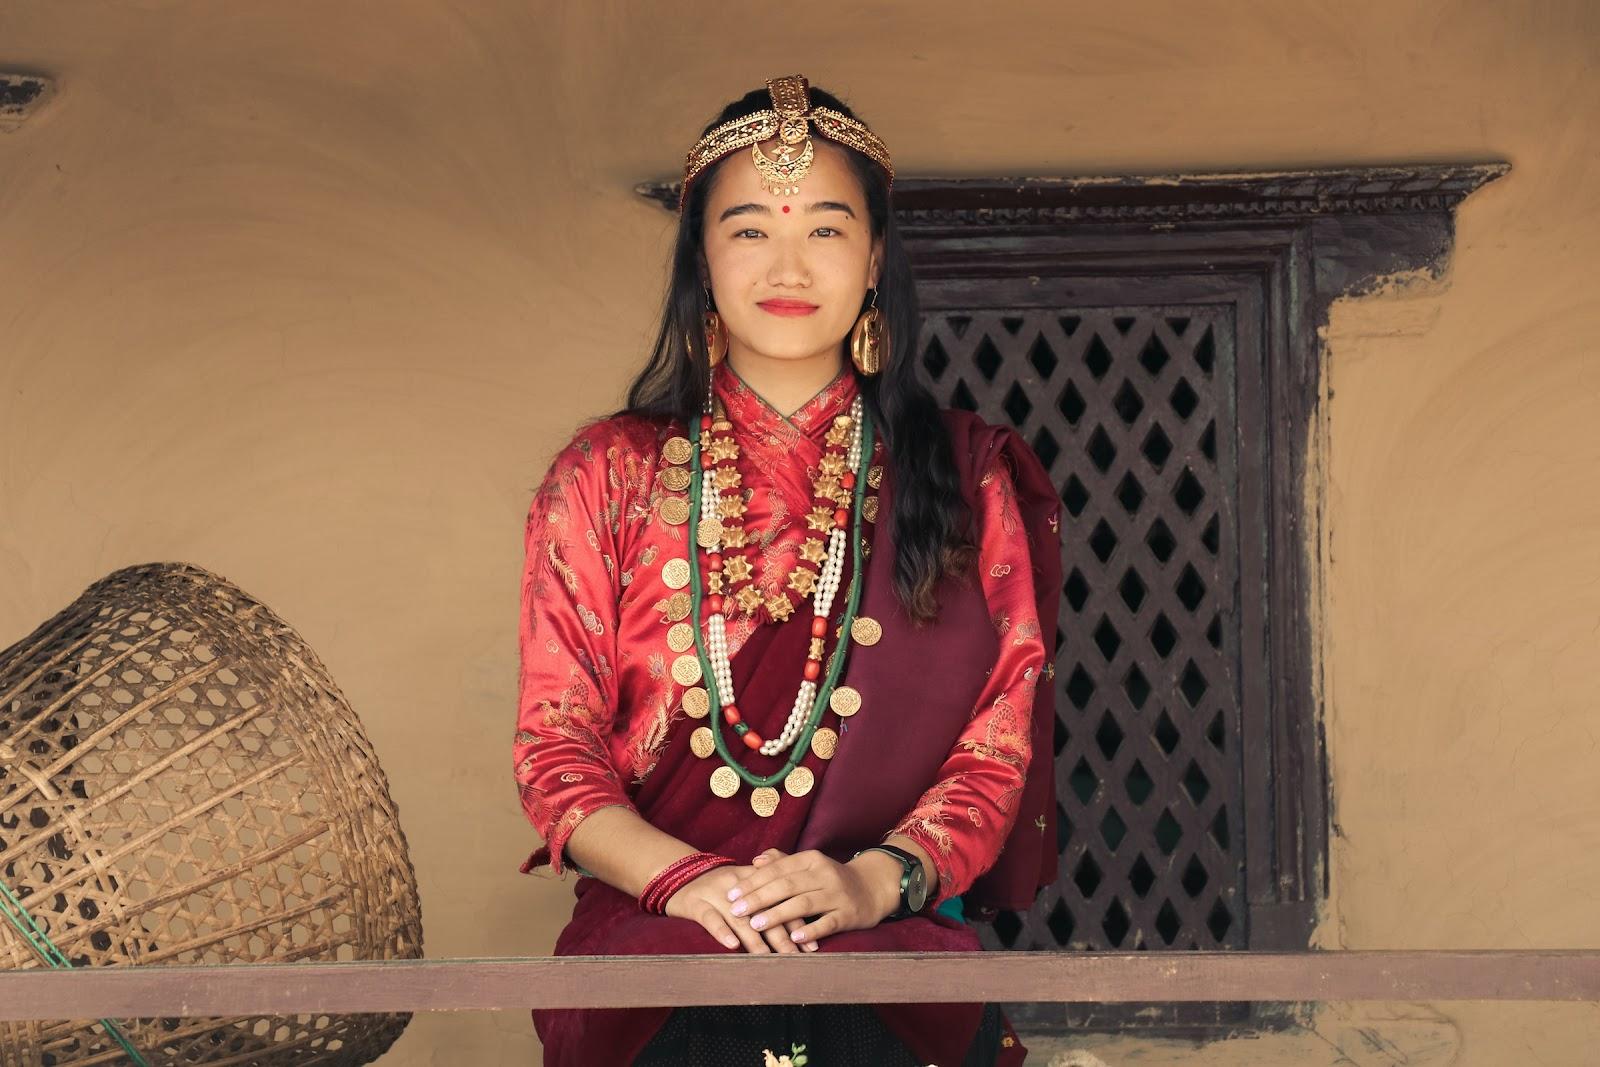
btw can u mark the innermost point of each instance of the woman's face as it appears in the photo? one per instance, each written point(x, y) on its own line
point(788, 274)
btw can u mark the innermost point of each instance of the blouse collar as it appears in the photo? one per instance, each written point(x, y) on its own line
point(750, 413)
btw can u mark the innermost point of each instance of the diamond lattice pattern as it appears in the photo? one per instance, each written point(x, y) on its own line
point(1129, 410)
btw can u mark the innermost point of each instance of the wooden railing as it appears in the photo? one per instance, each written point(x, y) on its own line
point(509, 984)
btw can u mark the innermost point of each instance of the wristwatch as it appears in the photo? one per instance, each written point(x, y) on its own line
point(913, 882)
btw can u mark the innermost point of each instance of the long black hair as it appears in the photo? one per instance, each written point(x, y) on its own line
point(930, 516)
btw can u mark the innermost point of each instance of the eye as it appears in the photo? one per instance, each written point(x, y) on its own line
point(745, 233)
point(825, 231)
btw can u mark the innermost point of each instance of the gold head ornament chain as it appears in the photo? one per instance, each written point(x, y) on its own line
point(790, 120)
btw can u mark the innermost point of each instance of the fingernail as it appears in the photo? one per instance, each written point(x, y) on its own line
point(798, 935)
point(811, 946)
point(759, 922)
point(741, 907)
point(734, 893)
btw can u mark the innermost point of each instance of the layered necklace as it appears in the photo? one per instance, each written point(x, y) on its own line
point(838, 495)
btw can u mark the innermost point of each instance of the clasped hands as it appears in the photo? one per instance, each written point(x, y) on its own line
point(782, 902)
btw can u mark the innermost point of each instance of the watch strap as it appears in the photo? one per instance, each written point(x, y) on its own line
point(907, 863)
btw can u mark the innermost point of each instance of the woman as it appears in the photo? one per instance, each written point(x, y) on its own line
point(784, 626)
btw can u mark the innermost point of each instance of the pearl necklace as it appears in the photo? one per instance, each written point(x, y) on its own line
point(822, 595)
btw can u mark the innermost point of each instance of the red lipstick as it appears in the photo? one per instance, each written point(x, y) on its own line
point(780, 306)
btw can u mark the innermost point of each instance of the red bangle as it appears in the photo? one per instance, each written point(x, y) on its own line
point(661, 886)
point(667, 882)
point(675, 876)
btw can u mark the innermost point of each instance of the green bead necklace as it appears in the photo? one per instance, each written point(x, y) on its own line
point(835, 662)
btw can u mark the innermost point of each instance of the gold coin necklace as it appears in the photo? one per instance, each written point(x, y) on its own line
point(816, 690)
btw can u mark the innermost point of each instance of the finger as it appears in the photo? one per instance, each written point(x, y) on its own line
point(759, 876)
point(778, 938)
point(762, 859)
point(812, 932)
point(777, 886)
point(764, 878)
point(744, 937)
point(808, 861)
point(796, 907)
point(718, 928)
point(789, 930)
point(751, 939)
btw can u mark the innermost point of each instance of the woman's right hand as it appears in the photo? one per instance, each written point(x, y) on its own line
point(705, 901)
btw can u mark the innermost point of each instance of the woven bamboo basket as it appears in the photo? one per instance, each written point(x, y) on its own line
point(181, 782)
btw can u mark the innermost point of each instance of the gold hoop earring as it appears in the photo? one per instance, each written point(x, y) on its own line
point(716, 338)
point(869, 339)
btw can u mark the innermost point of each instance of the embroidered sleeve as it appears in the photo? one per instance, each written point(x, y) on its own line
point(964, 817)
point(568, 647)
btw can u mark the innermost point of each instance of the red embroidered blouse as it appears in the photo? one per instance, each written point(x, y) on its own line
point(597, 702)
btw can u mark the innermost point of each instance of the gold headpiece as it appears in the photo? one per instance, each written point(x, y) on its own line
point(789, 119)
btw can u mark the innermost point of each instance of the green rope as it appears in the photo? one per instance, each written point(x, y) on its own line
point(40, 942)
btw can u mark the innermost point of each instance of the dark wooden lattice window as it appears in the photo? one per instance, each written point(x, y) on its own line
point(1132, 410)
point(1155, 341)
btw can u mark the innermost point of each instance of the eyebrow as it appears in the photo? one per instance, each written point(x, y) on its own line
point(753, 208)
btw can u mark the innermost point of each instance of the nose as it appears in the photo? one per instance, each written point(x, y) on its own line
point(788, 269)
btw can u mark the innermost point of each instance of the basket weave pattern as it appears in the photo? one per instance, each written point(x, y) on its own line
point(181, 782)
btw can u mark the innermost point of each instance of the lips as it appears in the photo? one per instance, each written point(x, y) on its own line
point(786, 307)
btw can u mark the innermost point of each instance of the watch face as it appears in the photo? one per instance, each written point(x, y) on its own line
point(916, 890)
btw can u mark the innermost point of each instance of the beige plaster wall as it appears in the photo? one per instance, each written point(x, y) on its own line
point(308, 293)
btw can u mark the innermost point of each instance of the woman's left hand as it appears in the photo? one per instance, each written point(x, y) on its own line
point(788, 887)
